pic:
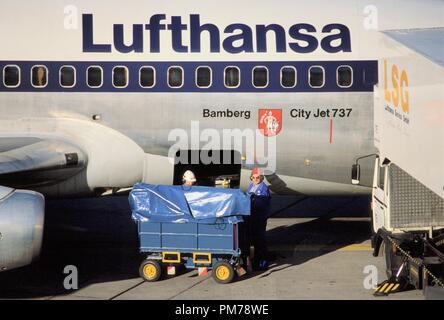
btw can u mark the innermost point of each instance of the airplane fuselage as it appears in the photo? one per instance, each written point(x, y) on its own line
point(300, 55)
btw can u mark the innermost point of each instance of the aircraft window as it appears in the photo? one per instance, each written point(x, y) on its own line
point(344, 76)
point(260, 77)
point(120, 77)
point(288, 77)
point(232, 77)
point(11, 76)
point(94, 77)
point(203, 77)
point(175, 77)
point(67, 76)
point(147, 77)
point(316, 76)
point(39, 75)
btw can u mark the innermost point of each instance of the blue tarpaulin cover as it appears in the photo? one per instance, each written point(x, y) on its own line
point(181, 204)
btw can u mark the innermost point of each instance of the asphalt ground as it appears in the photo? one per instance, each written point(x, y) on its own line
point(319, 249)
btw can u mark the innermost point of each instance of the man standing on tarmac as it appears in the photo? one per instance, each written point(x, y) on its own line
point(260, 207)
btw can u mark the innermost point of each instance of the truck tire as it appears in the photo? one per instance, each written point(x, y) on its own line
point(223, 272)
point(150, 270)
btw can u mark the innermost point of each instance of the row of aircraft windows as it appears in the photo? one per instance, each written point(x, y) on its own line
point(175, 76)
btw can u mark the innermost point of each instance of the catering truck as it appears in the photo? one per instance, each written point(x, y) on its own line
point(408, 183)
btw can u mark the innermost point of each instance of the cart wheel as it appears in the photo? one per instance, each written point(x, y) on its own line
point(223, 272)
point(150, 270)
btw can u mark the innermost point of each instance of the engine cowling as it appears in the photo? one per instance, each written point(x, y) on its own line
point(22, 214)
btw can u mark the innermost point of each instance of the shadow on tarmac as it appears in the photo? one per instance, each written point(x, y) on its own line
point(98, 236)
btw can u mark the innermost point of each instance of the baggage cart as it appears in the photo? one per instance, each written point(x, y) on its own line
point(206, 240)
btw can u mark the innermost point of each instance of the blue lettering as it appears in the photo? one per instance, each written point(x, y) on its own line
point(238, 37)
point(246, 36)
point(176, 28)
point(155, 28)
point(295, 33)
point(343, 35)
point(119, 43)
point(88, 35)
point(261, 37)
point(196, 31)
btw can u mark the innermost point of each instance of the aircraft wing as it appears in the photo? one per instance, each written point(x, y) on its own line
point(27, 161)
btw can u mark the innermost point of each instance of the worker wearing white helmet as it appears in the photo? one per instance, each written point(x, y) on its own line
point(189, 179)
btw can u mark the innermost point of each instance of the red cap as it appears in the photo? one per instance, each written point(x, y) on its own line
point(255, 171)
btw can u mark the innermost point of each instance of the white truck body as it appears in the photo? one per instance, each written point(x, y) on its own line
point(408, 187)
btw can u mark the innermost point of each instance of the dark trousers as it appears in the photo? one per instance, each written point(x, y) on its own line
point(258, 235)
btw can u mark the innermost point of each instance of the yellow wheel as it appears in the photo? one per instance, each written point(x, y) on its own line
point(150, 270)
point(223, 272)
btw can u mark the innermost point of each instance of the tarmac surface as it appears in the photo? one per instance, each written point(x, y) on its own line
point(319, 249)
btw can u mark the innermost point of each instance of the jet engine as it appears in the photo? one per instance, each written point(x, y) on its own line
point(22, 215)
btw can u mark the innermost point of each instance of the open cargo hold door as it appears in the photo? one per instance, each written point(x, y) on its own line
point(211, 167)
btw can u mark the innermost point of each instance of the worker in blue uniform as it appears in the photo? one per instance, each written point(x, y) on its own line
point(260, 207)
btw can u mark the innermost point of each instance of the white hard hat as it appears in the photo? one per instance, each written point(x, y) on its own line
point(189, 176)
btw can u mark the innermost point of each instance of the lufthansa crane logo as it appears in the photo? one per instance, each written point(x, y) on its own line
point(270, 121)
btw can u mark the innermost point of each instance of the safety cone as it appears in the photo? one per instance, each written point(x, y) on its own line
point(240, 271)
point(171, 270)
point(203, 271)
